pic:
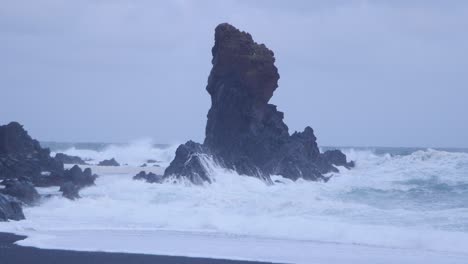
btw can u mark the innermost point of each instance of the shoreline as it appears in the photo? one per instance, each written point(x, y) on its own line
point(14, 254)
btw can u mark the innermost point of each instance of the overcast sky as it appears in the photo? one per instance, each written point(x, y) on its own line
point(365, 73)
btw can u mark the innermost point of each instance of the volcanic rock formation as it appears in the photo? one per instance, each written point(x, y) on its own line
point(10, 208)
point(109, 162)
point(24, 165)
point(148, 177)
point(244, 132)
point(74, 180)
point(21, 189)
point(22, 156)
point(67, 159)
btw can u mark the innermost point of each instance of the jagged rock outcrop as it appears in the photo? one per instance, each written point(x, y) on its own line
point(188, 162)
point(80, 177)
point(148, 177)
point(22, 156)
point(10, 208)
point(337, 157)
point(67, 159)
point(74, 180)
point(109, 162)
point(24, 165)
point(244, 132)
point(21, 189)
point(70, 190)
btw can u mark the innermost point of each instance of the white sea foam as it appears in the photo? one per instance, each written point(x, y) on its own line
point(134, 153)
point(416, 202)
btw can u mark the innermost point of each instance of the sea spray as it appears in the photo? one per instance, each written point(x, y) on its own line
point(416, 201)
point(134, 153)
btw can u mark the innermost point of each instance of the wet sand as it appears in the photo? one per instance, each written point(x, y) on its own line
point(14, 254)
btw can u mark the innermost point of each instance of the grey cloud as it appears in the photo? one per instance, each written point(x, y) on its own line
point(359, 72)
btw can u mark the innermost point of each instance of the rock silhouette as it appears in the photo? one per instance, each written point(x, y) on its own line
point(67, 159)
point(109, 162)
point(25, 165)
point(21, 189)
point(22, 156)
point(244, 132)
point(10, 208)
point(148, 177)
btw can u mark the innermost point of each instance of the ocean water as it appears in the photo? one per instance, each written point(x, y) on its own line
point(395, 198)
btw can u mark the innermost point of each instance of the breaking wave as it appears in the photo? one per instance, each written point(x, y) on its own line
point(134, 153)
point(417, 201)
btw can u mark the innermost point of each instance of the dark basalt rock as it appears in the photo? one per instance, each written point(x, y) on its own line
point(21, 189)
point(74, 180)
point(22, 156)
point(188, 162)
point(24, 165)
point(67, 159)
point(70, 190)
point(111, 162)
point(150, 161)
point(80, 177)
point(148, 177)
point(244, 132)
point(10, 208)
point(337, 158)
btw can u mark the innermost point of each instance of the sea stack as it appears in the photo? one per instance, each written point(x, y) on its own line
point(244, 132)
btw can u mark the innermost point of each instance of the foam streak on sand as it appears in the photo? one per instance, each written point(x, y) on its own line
point(233, 247)
point(389, 209)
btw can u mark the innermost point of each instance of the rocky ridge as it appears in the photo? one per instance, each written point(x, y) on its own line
point(25, 165)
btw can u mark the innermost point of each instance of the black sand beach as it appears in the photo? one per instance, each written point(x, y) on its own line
point(14, 254)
